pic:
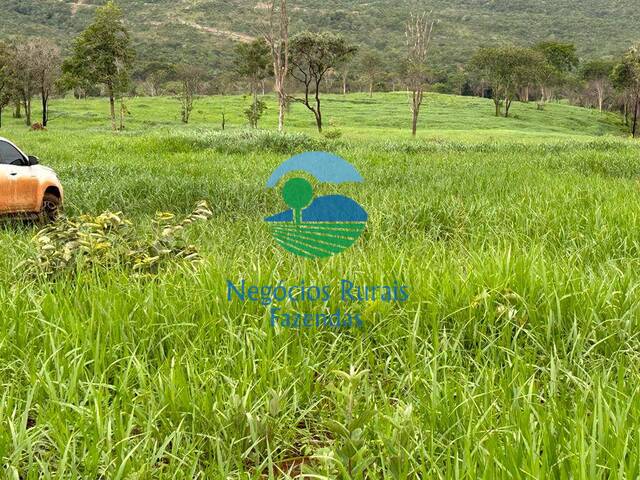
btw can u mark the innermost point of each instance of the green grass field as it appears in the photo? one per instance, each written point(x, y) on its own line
point(516, 355)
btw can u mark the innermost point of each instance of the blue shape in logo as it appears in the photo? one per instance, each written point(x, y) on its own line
point(324, 166)
point(328, 208)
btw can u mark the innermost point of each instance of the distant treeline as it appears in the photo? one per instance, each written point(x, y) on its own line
point(302, 66)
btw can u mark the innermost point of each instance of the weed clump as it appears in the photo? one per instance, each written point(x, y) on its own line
point(108, 241)
point(244, 141)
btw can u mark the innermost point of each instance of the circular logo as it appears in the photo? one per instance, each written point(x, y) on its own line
point(315, 227)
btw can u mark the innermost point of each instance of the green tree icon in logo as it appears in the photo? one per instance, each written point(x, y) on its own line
point(297, 194)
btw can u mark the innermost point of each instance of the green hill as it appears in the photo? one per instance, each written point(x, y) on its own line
point(204, 30)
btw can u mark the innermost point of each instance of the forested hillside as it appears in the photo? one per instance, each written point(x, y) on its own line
point(204, 31)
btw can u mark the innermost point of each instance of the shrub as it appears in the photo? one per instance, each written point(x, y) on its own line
point(333, 133)
point(107, 240)
point(254, 112)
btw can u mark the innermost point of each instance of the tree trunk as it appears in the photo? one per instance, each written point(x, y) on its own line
point(27, 111)
point(0, 116)
point(123, 112)
point(254, 121)
point(526, 94)
point(344, 84)
point(370, 89)
point(45, 109)
point(600, 98)
point(635, 117)
point(414, 122)
point(625, 112)
point(17, 113)
point(507, 105)
point(497, 103)
point(318, 112)
point(112, 105)
point(282, 99)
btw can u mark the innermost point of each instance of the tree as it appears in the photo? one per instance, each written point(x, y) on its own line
point(155, 74)
point(277, 37)
point(418, 35)
point(46, 67)
point(254, 112)
point(458, 79)
point(252, 62)
point(190, 78)
point(626, 78)
point(529, 66)
point(102, 54)
point(596, 73)
point(507, 70)
point(6, 85)
point(23, 74)
point(312, 56)
point(343, 73)
point(371, 68)
point(561, 59)
point(561, 56)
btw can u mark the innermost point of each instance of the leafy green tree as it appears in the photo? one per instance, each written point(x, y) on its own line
point(254, 112)
point(371, 68)
point(253, 62)
point(597, 75)
point(561, 56)
point(626, 78)
point(457, 80)
point(311, 56)
point(102, 54)
point(506, 70)
point(155, 75)
point(561, 60)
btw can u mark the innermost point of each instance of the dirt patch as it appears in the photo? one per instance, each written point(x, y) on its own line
point(238, 37)
point(76, 4)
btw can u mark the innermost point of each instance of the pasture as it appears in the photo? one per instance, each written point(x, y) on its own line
point(515, 356)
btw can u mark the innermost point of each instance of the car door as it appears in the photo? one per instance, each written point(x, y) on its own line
point(22, 181)
point(8, 182)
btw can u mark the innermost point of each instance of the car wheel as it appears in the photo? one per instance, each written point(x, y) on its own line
point(50, 208)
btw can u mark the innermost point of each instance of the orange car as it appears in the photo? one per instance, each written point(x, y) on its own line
point(25, 186)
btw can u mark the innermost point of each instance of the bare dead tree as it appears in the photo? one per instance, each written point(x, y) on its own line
point(46, 65)
point(418, 35)
point(344, 75)
point(277, 37)
point(24, 75)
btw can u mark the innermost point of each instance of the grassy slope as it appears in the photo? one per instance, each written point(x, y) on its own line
point(516, 354)
point(383, 116)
